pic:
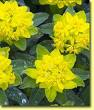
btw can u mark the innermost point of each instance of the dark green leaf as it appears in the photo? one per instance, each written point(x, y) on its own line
point(25, 58)
point(82, 62)
point(3, 98)
point(69, 98)
point(88, 17)
point(28, 83)
point(46, 28)
point(54, 9)
point(36, 97)
point(84, 74)
point(85, 95)
point(19, 65)
point(39, 18)
point(86, 53)
point(48, 44)
point(34, 39)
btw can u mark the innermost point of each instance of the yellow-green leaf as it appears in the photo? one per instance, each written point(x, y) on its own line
point(71, 59)
point(50, 94)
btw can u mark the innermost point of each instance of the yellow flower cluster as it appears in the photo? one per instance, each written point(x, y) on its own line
point(15, 22)
point(53, 73)
point(7, 76)
point(71, 32)
point(61, 3)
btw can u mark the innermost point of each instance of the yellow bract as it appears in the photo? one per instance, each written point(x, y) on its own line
point(15, 22)
point(52, 71)
point(61, 3)
point(71, 32)
point(7, 76)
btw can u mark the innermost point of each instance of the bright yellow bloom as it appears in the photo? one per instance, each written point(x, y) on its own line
point(53, 73)
point(71, 32)
point(7, 76)
point(61, 3)
point(15, 22)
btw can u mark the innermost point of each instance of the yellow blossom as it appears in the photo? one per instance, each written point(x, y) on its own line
point(61, 3)
point(53, 73)
point(16, 22)
point(7, 76)
point(71, 32)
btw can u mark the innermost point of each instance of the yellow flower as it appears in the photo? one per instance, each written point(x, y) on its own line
point(71, 32)
point(53, 73)
point(7, 76)
point(61, 3)
point(15, 22)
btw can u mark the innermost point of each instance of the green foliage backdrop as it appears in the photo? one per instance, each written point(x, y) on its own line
point(23, 54)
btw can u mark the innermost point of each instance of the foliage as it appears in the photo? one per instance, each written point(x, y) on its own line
point(44, 53)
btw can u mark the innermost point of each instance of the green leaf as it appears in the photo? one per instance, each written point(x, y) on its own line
point(86, 53)
point(81, 14)
point(85, 95)
point(69, 98)
point(17, 95)
point(68, 103)
point(57, 17)
point(82, 62)
point(88, 17)
point(19, 66)
point(18, 80)
point(54, 105)
point(79, 81)
point(70, 10)
point(54, 9)
point(33, 30)
point(3, 98)
point(28, 83)
point(36, 97)
point(41, 50)
point(39, 18)
point(34, 2)
point(43, 1)
point(24, 58)
point(5, 51)
point(70, 85)
point(71, 59)
point(46, 28)
point(21, 44)
point(31, 72)
point(50, 94)
point(83, 74)
point(48, 44)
